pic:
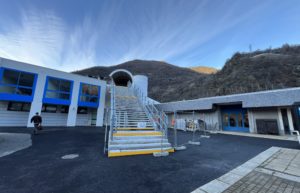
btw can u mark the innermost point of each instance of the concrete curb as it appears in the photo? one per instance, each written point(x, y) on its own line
point(263, 136)
point(222, 183)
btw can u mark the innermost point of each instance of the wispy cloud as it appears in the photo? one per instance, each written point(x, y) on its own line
point(123, 30)
point(37, 39)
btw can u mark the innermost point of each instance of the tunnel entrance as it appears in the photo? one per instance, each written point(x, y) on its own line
point(121, 77)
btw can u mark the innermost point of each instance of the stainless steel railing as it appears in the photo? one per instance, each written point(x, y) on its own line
point(112, 111)
point(158, 118)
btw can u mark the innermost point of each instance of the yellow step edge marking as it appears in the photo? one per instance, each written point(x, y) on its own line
point(127, 153)
point(137, 134)
point(135, 128)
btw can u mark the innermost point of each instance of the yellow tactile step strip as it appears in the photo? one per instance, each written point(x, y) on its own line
point(154, 133)
point(142, 152)
point(134, 128)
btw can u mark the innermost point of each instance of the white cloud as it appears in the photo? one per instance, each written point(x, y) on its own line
point(43, 39)
point(118, 33)
point(37, 39)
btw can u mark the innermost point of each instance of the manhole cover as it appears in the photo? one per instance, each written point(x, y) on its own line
point(70, 156)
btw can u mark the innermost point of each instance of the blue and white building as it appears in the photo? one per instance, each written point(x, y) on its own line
point(266, 112)
point(63, 99)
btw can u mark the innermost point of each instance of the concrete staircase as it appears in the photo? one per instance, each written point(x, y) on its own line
point(134, 133)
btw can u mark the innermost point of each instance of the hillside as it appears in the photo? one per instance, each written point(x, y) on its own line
point(204, 69)
point(244, 72)
point(164, 79)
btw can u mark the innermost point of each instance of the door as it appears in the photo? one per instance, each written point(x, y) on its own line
point(235, 120)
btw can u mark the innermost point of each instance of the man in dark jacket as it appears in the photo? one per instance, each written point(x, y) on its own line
point(37, 120)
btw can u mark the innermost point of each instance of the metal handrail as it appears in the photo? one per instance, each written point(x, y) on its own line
point(159, 118)
point(112, 111)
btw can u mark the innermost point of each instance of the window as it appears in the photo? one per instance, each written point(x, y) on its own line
point(89, 95)
point(58, 91)
point(49, 108)
point(225, 120)
point(232, 120)
point(17, 106)
point(82, 110)
point(17, 82)
point(64, 109)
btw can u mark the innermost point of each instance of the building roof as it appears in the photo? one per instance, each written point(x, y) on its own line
point(272, 98)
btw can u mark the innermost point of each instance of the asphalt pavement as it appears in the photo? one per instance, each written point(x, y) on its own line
point(41, 169)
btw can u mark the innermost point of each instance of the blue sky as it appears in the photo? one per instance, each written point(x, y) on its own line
point(71, 35)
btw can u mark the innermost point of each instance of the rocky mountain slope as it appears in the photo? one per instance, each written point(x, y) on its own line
point(244, 72)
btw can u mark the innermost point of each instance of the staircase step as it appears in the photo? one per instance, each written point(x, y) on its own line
point(116, 153)
point(137, 140)
point(148, 137)
point(133, 121)
point(121, 122)
point(134, 128)
point(131, 125)
point(137, 133)
point(138, 146)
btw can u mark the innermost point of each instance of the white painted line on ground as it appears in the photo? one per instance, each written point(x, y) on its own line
point(70, 156)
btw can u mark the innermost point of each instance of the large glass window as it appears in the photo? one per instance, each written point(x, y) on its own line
point(82, 110)
point(232, 120)
point(58, 89)
point(49, 108)
point(17, 82)
point(17, 106)
point(225, 120)
point(89, 95)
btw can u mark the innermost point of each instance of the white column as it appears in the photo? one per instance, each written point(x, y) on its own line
point(280, 121)
point(290, 118)
point(100, 110)
point(251, 120)
point(71, 122)
point(37, 103)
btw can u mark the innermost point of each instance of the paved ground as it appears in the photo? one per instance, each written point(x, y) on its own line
point(274, 170)
point(285, 160)
point(258, 182)
point(41, 169)
point(279, 173)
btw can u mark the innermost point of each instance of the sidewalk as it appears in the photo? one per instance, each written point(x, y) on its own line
point(274, 170)
point(278, 137)
point(12, 142)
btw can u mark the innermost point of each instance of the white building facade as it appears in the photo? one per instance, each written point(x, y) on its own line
point(63, 99)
